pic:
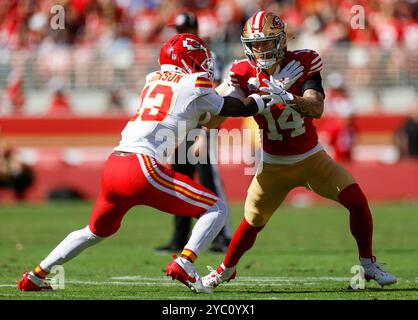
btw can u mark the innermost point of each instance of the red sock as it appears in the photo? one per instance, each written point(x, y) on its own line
point(361, 221)
point(242, 240)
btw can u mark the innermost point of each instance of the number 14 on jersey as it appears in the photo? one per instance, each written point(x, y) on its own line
point(284, 122)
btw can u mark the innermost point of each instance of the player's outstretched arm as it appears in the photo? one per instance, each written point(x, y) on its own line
point(311, 104)
point(247, 107)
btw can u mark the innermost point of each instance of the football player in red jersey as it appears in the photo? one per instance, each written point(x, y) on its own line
point(292, 155)
point(180, 94)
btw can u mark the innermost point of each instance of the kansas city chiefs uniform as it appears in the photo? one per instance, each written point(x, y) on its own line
point(170, 106)
point(286, 134)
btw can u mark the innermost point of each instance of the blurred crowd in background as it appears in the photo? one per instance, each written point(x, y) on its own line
point(110, 45)
point(24, 24)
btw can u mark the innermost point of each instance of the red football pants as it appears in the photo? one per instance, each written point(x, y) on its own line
point(137, 179)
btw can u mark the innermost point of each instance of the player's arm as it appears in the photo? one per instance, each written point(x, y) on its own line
point(215, 121)
point(233, 107)
point(215, 107)
point(310, 104)
point(247, 107)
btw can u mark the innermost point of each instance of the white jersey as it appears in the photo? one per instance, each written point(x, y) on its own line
point(171, 104)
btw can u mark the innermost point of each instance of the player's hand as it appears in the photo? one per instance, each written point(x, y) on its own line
point(289, 74)
point(276, 94)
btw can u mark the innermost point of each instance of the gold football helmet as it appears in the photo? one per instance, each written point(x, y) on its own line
point(264, 39)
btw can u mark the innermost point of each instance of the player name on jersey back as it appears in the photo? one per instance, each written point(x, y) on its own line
point(166, 76)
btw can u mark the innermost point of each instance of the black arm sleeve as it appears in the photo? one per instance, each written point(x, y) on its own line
point(315, 83)
point(234, 107)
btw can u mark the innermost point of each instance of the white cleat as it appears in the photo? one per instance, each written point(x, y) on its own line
point(374, 271)
point(183, 270)
point(216, 277)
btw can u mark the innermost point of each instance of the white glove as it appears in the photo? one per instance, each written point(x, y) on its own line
point(277, 94)
point(289, 74)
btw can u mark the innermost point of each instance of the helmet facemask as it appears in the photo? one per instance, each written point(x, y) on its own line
point(193, 64)
point(265, 59)
point(208, 66)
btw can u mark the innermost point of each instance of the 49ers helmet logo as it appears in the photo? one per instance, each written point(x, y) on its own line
point(191, 44)
point(277, 23)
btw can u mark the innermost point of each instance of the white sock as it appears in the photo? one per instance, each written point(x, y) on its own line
point(207, 227)
point(70, 247)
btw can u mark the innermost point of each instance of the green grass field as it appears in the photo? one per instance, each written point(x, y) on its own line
point(301, 254)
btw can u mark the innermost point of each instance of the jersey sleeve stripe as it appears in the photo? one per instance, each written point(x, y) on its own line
point(203, 79)
point(203, 82)
point(316, 59)
point(203, 85)
point(317, 65)
point(313, 71)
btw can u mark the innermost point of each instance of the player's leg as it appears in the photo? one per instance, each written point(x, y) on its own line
point(182, 225)
point(209, 177)
point(184, 197)
point(330, 180)
point(265, 194)
point(177, 194)
point(111, 205)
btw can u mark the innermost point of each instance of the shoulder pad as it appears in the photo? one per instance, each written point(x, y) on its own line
point(311, 60)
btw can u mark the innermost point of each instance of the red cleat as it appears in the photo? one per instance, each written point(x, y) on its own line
point(30, 282)
point(183, 270)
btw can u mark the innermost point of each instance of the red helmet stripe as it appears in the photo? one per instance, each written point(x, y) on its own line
point(257, 22)
point(252, 22)
point(260, 26)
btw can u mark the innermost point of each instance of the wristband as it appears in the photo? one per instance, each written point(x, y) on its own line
point(259, 101)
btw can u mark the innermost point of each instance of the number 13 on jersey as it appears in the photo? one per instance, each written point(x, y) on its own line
point(156, 100)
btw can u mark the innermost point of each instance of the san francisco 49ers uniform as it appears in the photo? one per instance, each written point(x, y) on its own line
point(292, 155)
point(170, 105)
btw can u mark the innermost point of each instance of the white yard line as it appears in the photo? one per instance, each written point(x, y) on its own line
point(245, 279)
point(239, 282)
point(164, 281)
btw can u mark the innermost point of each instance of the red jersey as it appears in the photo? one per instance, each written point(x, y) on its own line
point(285, 131)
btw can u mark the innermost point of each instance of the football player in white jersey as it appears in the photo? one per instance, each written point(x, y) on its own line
point(174, 100)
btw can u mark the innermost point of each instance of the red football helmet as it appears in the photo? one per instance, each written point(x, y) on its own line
point(189, 53)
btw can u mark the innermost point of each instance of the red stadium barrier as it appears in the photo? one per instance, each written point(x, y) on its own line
point(82, 170)
point(39, 126)
point(378, 181)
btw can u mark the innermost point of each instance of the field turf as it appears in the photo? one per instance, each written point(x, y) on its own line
point(303, 253)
